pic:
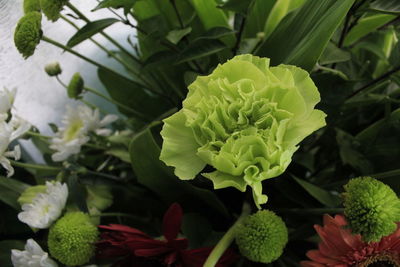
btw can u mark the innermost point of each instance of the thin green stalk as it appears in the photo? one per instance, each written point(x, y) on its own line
point(226, 240)
point(34, 166)
point(37, 135)
point(137, 114)
point(108, 176)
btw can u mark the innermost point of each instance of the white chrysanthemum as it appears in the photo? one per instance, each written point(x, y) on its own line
point(77, 124)
point(7, 99)
point(32, 256)
point(9, 132)
point(45, 208)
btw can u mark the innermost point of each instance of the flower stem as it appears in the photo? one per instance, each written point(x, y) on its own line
point(226, 240)
point(38, 135)
point(34, 166)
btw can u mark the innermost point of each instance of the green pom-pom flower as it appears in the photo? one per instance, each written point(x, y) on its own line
point(75, 86)
point(261, 237)
point(245, 119)
point(71, 239)
point(28, 33)
point(53, 69)
point(372, 209)
point(52, 8)
point(31, 5)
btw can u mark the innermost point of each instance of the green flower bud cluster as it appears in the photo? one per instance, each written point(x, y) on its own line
point(245, 120)
point(261, 237)
point(72, 239)
point(372, 208)
point(31, 5)
point(52, 8)
point(28, 33)
point(75, 86)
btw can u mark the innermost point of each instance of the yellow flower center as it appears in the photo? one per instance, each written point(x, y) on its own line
point(72, 131)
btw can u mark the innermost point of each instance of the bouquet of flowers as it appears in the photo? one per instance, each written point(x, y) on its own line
point(248, 133)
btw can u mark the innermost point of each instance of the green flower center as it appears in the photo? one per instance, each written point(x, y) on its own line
point(73, 130)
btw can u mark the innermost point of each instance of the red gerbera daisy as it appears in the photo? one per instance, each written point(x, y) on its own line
point(340, 248)
point(124, 241)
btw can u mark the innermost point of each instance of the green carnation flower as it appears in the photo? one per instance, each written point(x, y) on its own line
point(52, 8)
point(31, 5)
point(75, 86)
point(372, 208)
point(261, 237)
point(72, 239)
point(28, 33)
point(245, 119)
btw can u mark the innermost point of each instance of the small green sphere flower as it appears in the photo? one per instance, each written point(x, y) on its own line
point(262, 236)
point(53, 69)
point(372, 209)
point(52, 8)
point(71, 239)
point(75, 86)
point(28, 33)
point(31, 5)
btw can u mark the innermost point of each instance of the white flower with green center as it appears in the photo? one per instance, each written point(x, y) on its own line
point(78, 123)
point(6, 100)
point(45, 207)
point(9, 132)
point(32, 256)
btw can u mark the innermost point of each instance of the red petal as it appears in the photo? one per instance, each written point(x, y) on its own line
point(152, 252)
point(122, 228)
point(172, 221)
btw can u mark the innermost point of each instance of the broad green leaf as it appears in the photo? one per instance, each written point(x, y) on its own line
point(5, 251)
point(365, 26)
point(200, 49)
point(216, 33)
point(89, 30)
point(303, 35)
point(238, 6)
point(176, 35)
point(156, 176)
point(278, 12)
point(386, 6)
point(133, 95)
point(258, 14)
point(210, 15)
point(121, 153)
point(319, 194)
point(126, 4)
point(10, 190)
point(333, 54)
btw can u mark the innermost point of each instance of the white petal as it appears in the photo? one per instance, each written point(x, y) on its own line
point(7, 165)
point(110, 118)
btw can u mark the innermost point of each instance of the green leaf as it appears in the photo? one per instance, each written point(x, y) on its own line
point(238, 6)
point(216, 33)
point(89, 30)
point(258, 14)
point(176, 35)
point(196, 229)
point(126, 4)
point(319, 194)
point(365, 26)
point(121, 153)
point(210, 15)
point(133, 95)
point(200, 49)
point(156, 176)
point(5, 251)
point(10, 190)
point(386, 6)
point(333, 54)
point(305, 33)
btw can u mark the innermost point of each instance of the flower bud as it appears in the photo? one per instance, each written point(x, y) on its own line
point(261, 237)
point(72, 239)
point(53, 69)
point(372, 208)
point(28, 33)
point(75, 86)
point(31, 5)
point(52, 8)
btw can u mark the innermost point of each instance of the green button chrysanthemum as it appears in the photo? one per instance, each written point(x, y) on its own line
point(31, 5)
point(28, 33)
point(72, 239)
point(261, 237)
point(75, 86)
point(52, 8)
point(372, 208)
point(245, 119)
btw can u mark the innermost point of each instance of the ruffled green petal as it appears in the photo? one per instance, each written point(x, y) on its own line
point(179, 148)
point(258, 197)
point(223, 180)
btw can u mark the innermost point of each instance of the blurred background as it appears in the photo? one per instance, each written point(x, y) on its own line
point(40, 98)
